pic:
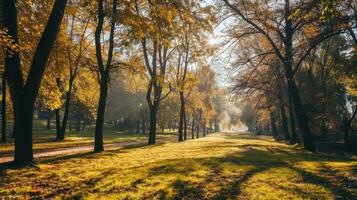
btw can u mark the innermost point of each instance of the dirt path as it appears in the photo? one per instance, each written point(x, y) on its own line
point(83, 149)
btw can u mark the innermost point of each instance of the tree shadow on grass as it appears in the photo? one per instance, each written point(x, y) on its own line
point(230, 185)
point(234, 188)
point(45, 160)
point(340, 191)
point(85, 155)
point(186, 190)
point(215, 183)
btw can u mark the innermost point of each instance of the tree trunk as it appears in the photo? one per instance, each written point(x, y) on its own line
point(193, 126)
point(3, 109)
point(308, 136)
point(58, 124)
point(292, 122)
point(274, 128)
point(70, 124)
point(184, 126)
point(24, 96)
point(199, 123)
point(348, 126)
point(197, 130)
point(346, 130)
point(152, 133)
point(48, 126)
point(284, 123)
point(301, 116)
point(143, 127)
point(323, 129)
point(98, 142)
point(204, 129)
point(216, 126)
point(198, 127)
point(23, 129)
point(182, 113)
point(12, 62)
point(138, 126)
point(78, 125)
point(104, 71)
point(66, 109)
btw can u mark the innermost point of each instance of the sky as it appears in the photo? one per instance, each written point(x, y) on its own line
point(220, 61)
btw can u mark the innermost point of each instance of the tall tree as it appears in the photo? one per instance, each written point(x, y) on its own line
point(197, 22)
point(155, 32)
point(104, 70)
point(24, 93)
point(76, 47)
point(280, 26)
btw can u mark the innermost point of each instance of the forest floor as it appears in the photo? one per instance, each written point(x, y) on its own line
point(220, 166)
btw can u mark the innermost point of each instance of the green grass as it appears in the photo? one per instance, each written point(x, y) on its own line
point(45, 140)
point(220, 166)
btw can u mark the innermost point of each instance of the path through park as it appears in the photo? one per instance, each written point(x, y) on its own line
point(65, 151)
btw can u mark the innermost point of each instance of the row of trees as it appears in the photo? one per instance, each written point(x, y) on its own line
point(61, 55)
point(296, 63)
point(203, 105)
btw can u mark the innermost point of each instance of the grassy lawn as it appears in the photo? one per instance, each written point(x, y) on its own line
point(220, 166)
point(45, 140)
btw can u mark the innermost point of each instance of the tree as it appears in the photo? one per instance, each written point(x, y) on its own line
point(7, 45)
point(281, 25)
point(24, 93)
point(155, 31)
point(76, 46)
point(104, 70)
point(192, 46)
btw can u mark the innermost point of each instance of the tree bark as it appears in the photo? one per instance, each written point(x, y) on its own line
point(66, 109)
point(12, 64)
point(98, 142)
point(58, 124)
point(348, 126)
point(152, 132)
point(204, 130)
point(48, 126)
point(198, 125)
point(193, 125)
point(23, 130)
point(70, 123)
point(301, 116)
point(184, 126)
point(197, 130)
point(3, 109)
point(78, 125)
point(284, 123)
point(182, 113)
point(292, 122)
